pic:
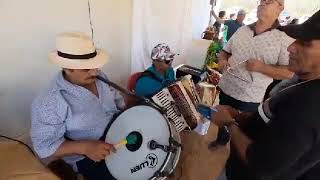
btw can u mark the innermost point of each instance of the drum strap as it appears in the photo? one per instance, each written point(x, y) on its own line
point(129, 93)
point(114, 117)
point(148, 73)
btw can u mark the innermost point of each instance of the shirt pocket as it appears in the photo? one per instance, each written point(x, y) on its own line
point(268, 51)
point(108, 102)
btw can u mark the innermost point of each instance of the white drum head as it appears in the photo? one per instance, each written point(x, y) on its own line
point(143, 163)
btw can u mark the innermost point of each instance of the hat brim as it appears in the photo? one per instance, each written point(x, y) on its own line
point(295, 31)
point(94, 63)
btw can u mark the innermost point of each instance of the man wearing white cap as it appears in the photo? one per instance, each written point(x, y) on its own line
point(160, 74)
point(69, 119)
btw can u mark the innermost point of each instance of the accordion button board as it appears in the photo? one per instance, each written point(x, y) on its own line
point(165, 100)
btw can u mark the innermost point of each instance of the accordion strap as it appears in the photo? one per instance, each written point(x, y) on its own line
point(148, 73)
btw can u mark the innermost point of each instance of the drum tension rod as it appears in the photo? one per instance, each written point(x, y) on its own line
point(153, 145)
point(175, 143)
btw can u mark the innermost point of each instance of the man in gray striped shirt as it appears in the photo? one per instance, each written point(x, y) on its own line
point(254, 56)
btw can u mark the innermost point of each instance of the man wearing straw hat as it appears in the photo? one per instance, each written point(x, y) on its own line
point(69, 119)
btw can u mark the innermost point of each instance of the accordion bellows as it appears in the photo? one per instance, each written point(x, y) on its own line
point(179, 101)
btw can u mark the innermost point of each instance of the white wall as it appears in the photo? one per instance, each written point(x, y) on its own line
point(154, 22)
point(28, 30)
point(27, 34)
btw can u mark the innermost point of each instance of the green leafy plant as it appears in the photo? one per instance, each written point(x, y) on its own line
point(212, 52)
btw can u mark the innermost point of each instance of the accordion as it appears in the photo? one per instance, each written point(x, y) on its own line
point(196, 74)
point(179, 101)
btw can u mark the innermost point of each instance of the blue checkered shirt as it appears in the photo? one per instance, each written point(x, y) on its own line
point(66, 109)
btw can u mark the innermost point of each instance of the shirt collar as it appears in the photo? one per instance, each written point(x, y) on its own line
point(240, 23)
point(61, 84)
point(252, 26)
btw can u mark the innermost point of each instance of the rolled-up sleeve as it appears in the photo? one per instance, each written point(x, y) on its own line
point(48, 125)
point(286, 140)
point(229, 46)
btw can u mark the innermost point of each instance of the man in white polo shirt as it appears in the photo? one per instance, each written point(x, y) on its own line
point(254, 56)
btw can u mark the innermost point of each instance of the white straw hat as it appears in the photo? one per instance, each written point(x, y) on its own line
point(75, 50)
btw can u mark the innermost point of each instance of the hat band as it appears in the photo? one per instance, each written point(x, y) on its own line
point(72, 56)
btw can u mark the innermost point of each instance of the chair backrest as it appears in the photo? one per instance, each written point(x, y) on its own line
point(133, 80)
point(136, 76)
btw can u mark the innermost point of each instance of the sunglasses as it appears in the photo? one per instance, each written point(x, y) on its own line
point(165, 61)
point(168, 61)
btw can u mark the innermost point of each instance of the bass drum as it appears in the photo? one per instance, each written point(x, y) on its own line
point(156, 152)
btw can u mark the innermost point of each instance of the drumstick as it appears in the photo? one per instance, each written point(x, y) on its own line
point(120, 144)
point(131, 140)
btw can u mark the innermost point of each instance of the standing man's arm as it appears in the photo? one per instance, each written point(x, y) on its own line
point(221, 21)
point(239, 140)
point(223, 60)
point(226, 53)
point(278, 72)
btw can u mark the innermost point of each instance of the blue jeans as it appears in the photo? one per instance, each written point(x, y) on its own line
point(223, 136)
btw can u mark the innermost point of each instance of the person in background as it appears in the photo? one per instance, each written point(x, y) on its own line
point(232, 16)
point(69, 119)
point(159, 75)
point(214, 49)
point(285, 144)
point(219, 21)
point(254, 56)
point(209, 33)
point(234, 25)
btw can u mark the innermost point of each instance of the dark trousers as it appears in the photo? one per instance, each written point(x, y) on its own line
point(94, 170)
point(223, 136)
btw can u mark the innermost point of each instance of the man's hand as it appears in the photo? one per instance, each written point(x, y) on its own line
point(97, 150)
point(222, 116)
point(255, 65)
point(232, 111)
point(223, 65)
